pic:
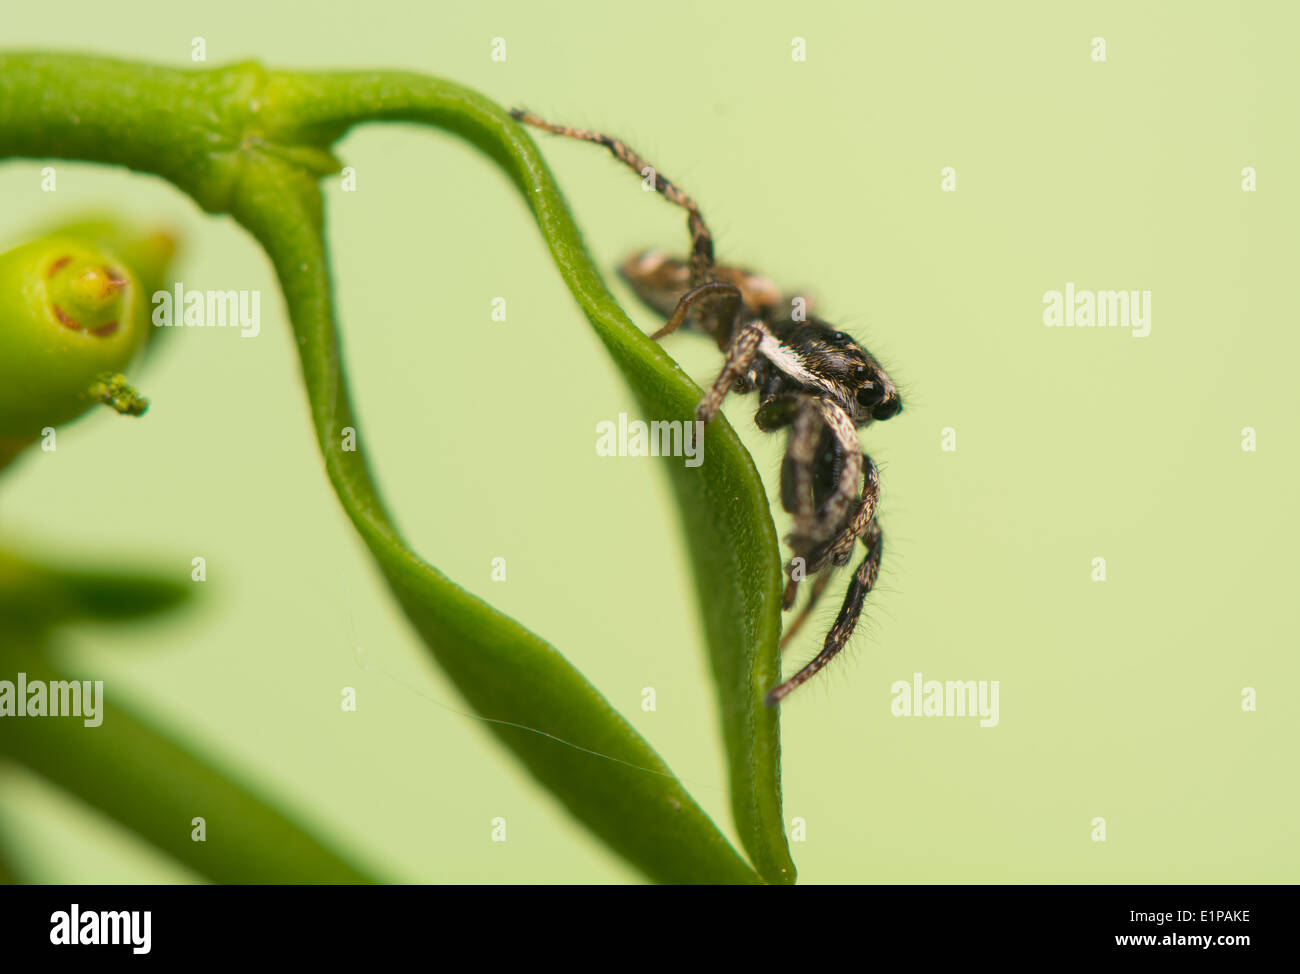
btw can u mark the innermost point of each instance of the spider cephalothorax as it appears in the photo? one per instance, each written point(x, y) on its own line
point(812, 379)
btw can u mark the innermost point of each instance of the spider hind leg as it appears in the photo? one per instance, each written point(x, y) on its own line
point(814, 596)
point(864, 580)
point(701, 262)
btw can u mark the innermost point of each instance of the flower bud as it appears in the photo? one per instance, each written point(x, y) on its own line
point(70, 315)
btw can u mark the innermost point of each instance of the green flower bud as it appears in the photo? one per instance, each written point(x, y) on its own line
point(72, 316)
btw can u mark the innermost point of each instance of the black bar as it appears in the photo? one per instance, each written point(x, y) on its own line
point(330, 924)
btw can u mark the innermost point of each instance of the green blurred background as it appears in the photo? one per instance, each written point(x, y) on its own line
point(1118, 699)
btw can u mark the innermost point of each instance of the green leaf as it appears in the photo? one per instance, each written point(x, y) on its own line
point(139, 776)
point(42, 595)
point(8, 872)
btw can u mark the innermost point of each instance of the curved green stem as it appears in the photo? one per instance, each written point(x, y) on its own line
point(723, 511)
point(254, 144)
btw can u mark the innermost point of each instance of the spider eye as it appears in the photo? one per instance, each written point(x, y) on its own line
point(870, 395)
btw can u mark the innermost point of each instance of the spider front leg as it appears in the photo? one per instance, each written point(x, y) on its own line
point(838, 550)
point(819, 483)
point(821, 470)
point(846, 454)
point(864, 580)
point(740, 356)
point(797, 494)
point(830, 556)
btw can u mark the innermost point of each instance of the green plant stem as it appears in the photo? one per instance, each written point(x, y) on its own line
point(673, 840)
point(254, 144)
point(132, 772)
point(724, 509)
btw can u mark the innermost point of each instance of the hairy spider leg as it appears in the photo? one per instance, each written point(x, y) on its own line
point(822, 455)
point(740, 356)
point(818, 587)
point(815, 524)
point(864, 579)
point(835, 510)
point(797, 486)
point(660, 281)
point(836, 553)
point(839, 549)
point(701, 262)
point(728, 297)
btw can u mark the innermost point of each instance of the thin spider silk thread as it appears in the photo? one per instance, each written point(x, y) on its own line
point(357, 655)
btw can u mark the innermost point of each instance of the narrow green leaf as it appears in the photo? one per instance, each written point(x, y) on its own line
point(138, 776)
point(8, 873)
point(44, 595)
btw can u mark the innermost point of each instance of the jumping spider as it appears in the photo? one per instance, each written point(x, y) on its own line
point(811, 378)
